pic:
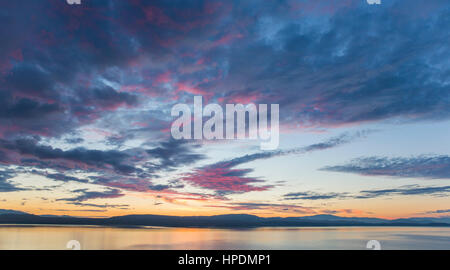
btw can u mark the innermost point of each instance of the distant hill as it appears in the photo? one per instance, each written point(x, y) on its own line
point(12, 212)
point(17, 217)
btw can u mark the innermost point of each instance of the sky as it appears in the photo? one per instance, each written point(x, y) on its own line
point(86, 93)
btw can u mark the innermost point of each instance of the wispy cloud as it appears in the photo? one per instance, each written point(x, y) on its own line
point(311, 195)
point(224, 178)
point(409, 190)
point(429, 167)
point(88, 195)
point(278, 207)
point(406, 191)
point(5, 185)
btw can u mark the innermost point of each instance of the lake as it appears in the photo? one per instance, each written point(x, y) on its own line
point(18, 237)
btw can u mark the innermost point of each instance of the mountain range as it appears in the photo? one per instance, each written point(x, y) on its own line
point(237, 220)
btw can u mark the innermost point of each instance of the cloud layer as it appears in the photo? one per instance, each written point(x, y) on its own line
point(410, 190)
point(86, 90)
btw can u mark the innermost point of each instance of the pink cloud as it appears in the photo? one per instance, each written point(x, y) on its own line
point(224, 179)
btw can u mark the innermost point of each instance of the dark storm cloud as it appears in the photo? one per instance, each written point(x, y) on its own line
point(47, 58)
point(101, 159)
point(65, 178)
point(343, 70)
point(332, 71)
point(173, 154)
point(441, 211)
point(27, 108)
point(428, 167)
point(105, 98)
point(275, 50)
point(29, 79)
point(129, 169)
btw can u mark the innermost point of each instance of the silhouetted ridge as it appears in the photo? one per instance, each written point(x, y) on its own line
point(241, 220)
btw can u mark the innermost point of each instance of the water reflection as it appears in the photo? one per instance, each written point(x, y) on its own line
point(97, 238)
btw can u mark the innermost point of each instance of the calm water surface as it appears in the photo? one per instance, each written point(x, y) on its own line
point(56, 237)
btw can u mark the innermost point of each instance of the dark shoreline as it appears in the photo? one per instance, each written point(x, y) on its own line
point(149, 227)
point(221, 221)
